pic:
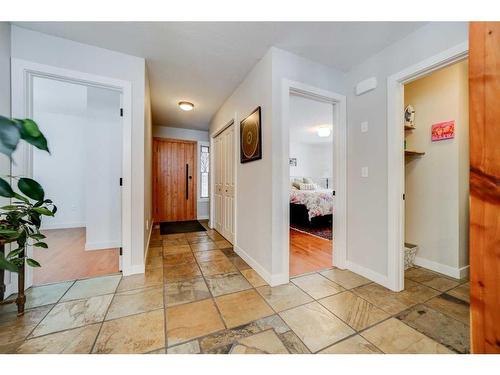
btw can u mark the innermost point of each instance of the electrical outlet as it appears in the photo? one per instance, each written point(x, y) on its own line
point(364, 127)
point(364, 171)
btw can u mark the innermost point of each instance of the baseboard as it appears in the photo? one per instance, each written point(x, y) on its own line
point(92, 246)
point(270, 279)
point(146, 251)
point(134, 269)
point(456, 273)
point(63, 226)
point(369, 274)
point(204, 217)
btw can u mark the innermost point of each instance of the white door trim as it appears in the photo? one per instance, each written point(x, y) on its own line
point(22, 73)
point(340, 170)
point(395, 154)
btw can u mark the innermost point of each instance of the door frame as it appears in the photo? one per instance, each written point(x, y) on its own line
point(395, 154)
point(339, 156)
point(195, 174)
point(22, 74)
point(211, 222)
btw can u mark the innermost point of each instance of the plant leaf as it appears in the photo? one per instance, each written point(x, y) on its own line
point(20, 197)
point(32, 262)
point(38, 236)
point(5, 189)
point(43, 211)
point(30, 127)
point(31, 188)
point(15, 253)
point(9, 234)
point(6, 265)
point(41, 244)
point(9, 136)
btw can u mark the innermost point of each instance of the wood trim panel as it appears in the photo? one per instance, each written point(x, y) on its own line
point(170, 157)
point(484, 112)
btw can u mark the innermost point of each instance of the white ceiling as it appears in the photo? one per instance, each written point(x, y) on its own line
point(306, 116)
point(203, 62)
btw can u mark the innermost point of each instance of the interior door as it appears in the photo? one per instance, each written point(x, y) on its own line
point(224, 183)
point(174, 178)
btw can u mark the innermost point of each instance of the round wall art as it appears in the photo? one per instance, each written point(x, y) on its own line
point(251, 137)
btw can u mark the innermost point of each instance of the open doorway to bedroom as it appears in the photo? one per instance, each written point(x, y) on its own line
point(311, 165)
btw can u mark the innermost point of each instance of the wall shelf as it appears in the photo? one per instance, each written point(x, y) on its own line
point(407, 127)
point(413, 153)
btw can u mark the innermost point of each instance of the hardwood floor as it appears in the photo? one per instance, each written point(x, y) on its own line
point(66, 258)
point(308, 253)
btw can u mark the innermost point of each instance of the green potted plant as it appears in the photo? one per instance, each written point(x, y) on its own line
point(20, 220)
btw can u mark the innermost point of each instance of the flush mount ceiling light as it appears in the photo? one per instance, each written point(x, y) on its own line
point(324, 132)
point(186, 106)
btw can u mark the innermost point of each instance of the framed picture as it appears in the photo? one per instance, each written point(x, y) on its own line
point(251, 137)
point(443, 130)
point(292, 162)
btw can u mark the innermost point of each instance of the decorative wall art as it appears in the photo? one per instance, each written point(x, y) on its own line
point(292, 162)
point(251, 137)
point(443, 130)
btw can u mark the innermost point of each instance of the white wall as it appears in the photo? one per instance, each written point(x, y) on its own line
point(63, 53)
point(367, 198)
point(436, 186)
point(201, 137)
point(313, 160)
point(148, 163)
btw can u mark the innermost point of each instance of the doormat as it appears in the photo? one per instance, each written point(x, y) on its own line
point(181, 227)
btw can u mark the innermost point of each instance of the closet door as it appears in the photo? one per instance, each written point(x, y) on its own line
point(218, 184)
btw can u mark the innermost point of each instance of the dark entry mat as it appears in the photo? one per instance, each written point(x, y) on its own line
point(181, 227)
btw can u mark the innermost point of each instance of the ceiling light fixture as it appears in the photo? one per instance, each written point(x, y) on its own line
point(186, 106)
point(324, 132)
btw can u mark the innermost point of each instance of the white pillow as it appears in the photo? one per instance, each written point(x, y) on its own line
point(307, 186)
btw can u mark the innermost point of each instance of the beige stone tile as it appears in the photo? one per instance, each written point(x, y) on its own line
point(221, 341)
point(177, 259)
point(196, 234)
point(204, 246)
point(451, 306)
point(175, 242)
point(173, 236)
point(154, 261)
point(151, 277)
point(345, 278)
point(394, 337)
point(316, 326)
point(353, 310)
point(14, 328)
point(223, 244)
point(186, 291)
point(216, 236)
point(242, 307)
point(353, 345)
point(395, 302)
point(293, 343)
point(95, 286)
point(192, 320)
point(266, 342)
point(212, 255)
point(155, 251)
point(461, 292)
point(199, 239)
point(135, 301)
point(74, 341)
point(158, 351)
point(317, 286)
point(74, 314)
point(217, 267)
point(283, 297)
point(227, 283)
point(181, 272)
point(239, 263)
point(272, 322)
point(253, 278)
point(140, 333)
point(176, 249)
point(431, 279)
point(191, 347)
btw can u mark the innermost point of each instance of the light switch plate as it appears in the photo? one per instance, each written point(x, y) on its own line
point(364, 171)
point(364, 127)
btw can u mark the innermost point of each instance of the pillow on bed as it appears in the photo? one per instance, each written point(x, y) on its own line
point(296, 183)
point(307, 186)
point(307, 180)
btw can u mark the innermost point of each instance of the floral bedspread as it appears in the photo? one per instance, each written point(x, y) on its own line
point(317, 202)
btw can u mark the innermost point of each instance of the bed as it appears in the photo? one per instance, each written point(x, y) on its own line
point(311, 207)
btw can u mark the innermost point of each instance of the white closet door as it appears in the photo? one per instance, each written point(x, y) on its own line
point(224, 183)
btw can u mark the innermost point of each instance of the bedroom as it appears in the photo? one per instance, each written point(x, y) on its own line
point(311, 184)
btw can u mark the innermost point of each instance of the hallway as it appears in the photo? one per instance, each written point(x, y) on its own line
point(198, 296)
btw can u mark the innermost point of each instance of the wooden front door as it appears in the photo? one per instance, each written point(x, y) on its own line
point(484, 112)
point(174, 180)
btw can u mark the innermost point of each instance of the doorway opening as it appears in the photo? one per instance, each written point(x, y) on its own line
point(82, 175)
point(436, 177)
point(311, 184)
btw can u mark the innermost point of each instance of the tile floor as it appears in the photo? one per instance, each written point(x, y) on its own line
point(198, 296)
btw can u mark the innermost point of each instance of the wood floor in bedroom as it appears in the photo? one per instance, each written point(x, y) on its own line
point(308, 253)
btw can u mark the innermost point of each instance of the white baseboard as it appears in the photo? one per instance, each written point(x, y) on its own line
point(62, 226)
point(272, 280)
point(146, 251)
point(134, 269)
point(456, 273)
point(369, 274)
point(91, 246)
point(204, 217)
